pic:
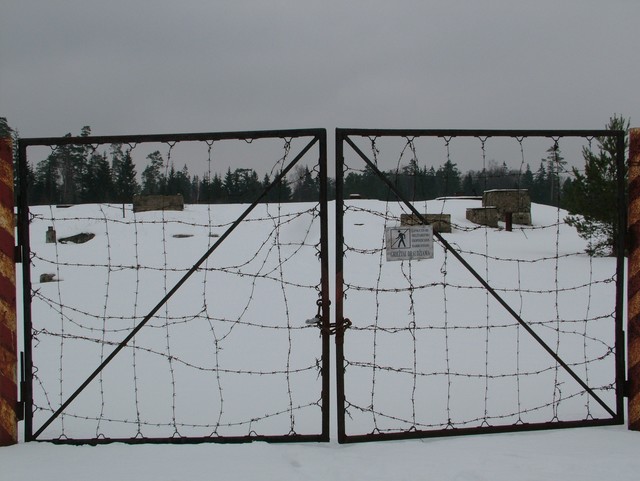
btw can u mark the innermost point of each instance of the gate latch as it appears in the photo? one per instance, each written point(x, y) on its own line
point(317, 319)
point(333, 327)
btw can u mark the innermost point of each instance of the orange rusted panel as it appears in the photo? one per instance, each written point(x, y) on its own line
point(8, 350)
point(633, 287)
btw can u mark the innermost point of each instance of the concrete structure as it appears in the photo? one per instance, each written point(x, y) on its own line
point(483, 216)
point(440, 222)
point(144, 203)
point(510, 201)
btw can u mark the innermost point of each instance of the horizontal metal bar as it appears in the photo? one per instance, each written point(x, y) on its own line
point(512, 428)
point(135, 139)
point(475, 133)
point(175, 288)
point(291, 438)
point(251, 135)
point(481, 280)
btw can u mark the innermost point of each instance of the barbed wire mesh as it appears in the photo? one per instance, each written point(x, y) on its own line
point(230, 356)
point(427, 349)
point(237, 354)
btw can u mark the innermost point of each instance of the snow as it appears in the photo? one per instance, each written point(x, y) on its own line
point(584, 453)
point(576, 454)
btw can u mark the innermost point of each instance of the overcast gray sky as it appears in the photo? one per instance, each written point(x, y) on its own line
point(142, 66)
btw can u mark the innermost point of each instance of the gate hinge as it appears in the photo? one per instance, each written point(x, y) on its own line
point(20, 410)
point(626, 388)
point(20, 405)
point(17, 254)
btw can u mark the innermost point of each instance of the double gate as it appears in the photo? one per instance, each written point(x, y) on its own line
point(222, 333)
point(509, 324)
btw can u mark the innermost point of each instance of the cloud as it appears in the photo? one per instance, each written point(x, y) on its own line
point(142, 66)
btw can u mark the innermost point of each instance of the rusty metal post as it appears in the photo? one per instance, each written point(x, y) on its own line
point(8, 323)
point(633, 288)
point(508, 221)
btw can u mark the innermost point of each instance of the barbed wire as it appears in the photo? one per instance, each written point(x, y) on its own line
point(418, 359)
point(208, 352)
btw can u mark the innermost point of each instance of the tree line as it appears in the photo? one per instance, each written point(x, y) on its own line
point(82, 174)
point(74, 174)
point(546, 185)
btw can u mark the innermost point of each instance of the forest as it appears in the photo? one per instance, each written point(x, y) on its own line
point(73, 174)
point(70, 175)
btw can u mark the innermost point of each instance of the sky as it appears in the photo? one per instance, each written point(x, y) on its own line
point(144, 67)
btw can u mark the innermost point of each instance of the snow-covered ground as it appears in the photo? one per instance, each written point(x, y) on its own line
point(233, 355)
point(589, 454)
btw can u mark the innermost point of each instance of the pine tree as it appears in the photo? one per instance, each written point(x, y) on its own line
point(179, 182)
point(72, 162)
point(5, 130)
point(408, 180)
point(591, 198)
point(216, 189)
point(353, 184)
point(305, 186)
point(281, 192)
point(125, 184)
point(184, 184)
point(172, 182)
point(153, 180)
point(448, 178)
point(194, 189)
point(468, 187)
point(230, 185)
point(555, 166)
point(46, 186)
point(538, 191)
point(96, 181)
point(525, 180)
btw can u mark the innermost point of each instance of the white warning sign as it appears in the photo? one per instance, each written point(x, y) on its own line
point(409, 242)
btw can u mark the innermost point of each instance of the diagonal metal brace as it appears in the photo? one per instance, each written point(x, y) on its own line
point(480, 279)
point(174, 289)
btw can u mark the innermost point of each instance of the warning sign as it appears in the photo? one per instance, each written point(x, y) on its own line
point(409, 242)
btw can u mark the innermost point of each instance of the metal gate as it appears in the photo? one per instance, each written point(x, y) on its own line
point(506, 327)
point(108, 357)
point(481, 337)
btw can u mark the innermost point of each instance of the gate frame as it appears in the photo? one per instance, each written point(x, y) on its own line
point(341, 137)
point(23, 253)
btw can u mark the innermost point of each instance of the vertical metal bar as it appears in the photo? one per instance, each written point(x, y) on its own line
point(482, 281)
point(324, 265)
point(22, 375)
point(621, 230)
point(633, 283)
point(340, 397)
point(174, 289)
point(25, 254)
point(8, 321)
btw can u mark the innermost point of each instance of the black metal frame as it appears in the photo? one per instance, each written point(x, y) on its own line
point(339, 327)
point(318, 136)
point(343, 136)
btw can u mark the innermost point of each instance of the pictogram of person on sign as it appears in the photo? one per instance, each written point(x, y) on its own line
point(400, 239)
